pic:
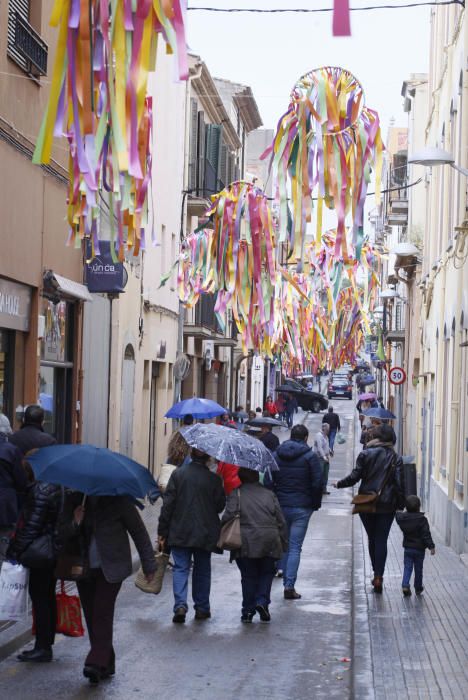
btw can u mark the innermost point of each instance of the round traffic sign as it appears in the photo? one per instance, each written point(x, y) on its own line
point(397, 375)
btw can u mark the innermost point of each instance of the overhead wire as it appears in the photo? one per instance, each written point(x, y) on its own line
point(318, 10)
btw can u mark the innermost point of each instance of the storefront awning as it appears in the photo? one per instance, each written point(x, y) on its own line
point(67, 288)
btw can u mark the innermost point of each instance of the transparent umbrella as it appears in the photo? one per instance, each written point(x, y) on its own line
point(231, 446)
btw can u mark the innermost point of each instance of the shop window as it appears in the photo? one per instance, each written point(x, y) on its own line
point(56, 372)
point(6, 372)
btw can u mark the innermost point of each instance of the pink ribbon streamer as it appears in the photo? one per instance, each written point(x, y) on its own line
point(341, 19)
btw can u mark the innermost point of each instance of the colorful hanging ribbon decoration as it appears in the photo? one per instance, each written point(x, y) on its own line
point(99, 101)
point(325, 144)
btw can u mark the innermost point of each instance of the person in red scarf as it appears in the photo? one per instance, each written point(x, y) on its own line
point(229, 475)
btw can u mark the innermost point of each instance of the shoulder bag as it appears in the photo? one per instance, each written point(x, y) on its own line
point(230, 536)
point(42, 552)
point(367, 502)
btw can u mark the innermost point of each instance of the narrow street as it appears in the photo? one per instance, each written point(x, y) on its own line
point(339, 641)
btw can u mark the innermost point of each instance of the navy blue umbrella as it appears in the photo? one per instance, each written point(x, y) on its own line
point(198, 408)
point(95, 471)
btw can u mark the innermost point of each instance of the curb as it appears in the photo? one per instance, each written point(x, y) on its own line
point(362, 680)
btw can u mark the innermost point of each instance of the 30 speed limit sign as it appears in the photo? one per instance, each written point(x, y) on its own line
point(397, 375)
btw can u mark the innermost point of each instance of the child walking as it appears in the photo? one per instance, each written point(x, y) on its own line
point(416, 538)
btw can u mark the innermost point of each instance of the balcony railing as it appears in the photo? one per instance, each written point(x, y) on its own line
point(27, 48)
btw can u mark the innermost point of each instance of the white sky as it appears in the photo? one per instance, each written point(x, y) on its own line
point(269, 52)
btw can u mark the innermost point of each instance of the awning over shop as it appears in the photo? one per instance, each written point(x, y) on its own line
point(64, 287)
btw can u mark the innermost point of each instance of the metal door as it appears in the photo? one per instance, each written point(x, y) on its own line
point(153, 424)
point(126, 406)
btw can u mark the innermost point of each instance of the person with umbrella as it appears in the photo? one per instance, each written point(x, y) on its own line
point(98, 532)
point(271, 407)
point(290, 409)
point(94, 534)
point(189, 524)
point(264, 540)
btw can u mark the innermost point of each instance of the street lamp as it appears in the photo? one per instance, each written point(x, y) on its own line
point(431, 156)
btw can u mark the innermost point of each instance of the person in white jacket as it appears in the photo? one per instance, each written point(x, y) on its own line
point(322, 449)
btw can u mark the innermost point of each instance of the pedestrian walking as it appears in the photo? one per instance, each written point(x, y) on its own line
point(229, 476)
point(323, 452)
point(290, 409)
point(178, 452)
point(271, 407)
point(5, 428)
point(416, 539)
point(38, 518)
point(298, 487)
point(98, 531)
point(31, 435)
point(379, 469)
point(268, 437)
point(264, 540)
point(13, 487)
point(281, 406)
point(189, 524)
point(333, 420)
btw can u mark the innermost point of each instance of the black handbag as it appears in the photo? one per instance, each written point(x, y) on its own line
point(40, 554)
point(72, 567)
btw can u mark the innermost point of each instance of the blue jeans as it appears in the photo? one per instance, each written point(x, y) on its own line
point(331, 438)
point(377, 527)
point(413, 558)
point(298, 521)
point(201, 577)
point(256, 577)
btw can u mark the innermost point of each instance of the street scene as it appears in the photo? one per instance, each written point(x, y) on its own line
point(233, 349)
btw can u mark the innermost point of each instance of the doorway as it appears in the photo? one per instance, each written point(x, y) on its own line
point(127, 397)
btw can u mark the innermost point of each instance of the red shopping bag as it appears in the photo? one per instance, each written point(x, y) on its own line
point(69, 621)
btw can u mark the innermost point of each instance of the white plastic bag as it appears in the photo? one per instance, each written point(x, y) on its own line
point(13, 591)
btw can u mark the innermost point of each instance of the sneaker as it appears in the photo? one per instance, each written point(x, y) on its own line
point(247, 617)
point(406, 590)
point(202, 614)
point(264, 613)
point(291, 594)
point(418, 591)
point(179, 615)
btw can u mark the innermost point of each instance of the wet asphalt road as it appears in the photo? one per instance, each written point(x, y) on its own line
point(302, 653)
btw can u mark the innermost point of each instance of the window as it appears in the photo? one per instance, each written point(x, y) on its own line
point(24, 45)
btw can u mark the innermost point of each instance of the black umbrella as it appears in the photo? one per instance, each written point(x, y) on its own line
point(265, 421)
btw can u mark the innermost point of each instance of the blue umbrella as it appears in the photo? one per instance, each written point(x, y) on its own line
point(379, 412)
point(198, 408)
point(367, 379)
point(95, 471)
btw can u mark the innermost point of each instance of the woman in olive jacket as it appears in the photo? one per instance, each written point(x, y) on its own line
point(264, 536)
point(100, 530)
point(379, 469)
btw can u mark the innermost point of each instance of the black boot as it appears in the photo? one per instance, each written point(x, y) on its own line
point(36, 655)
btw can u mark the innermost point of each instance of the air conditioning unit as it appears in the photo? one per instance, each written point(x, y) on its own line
point(208, 350)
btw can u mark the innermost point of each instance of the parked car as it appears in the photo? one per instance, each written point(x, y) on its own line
point(306, 399)
point(340, 386)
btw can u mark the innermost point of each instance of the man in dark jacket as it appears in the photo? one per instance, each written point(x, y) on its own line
point(31, 435)
point(333, 421)
point(189, 524)
point(13, 483)
point(298, 487)
point(268, 438)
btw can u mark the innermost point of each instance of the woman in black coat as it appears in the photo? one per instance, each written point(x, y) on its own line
point(39, 517)
point(379, 469)
point(98, 531)
point(13, 485)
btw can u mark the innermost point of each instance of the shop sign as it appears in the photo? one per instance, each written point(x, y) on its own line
point(15, 305)
point(54, 340)
point(102, 273)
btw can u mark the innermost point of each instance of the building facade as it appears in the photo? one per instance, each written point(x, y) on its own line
point(41, 290)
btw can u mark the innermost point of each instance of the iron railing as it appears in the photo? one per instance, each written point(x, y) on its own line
point(30, 46)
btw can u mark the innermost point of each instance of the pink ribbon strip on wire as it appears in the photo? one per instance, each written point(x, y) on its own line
point(341, 19)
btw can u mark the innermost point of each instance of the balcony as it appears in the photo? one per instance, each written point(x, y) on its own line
point(398, 214)
point(26, 47)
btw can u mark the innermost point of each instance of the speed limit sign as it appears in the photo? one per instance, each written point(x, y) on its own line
point(397, 375)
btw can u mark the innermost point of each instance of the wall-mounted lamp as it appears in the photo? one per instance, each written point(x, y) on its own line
point(432, 156)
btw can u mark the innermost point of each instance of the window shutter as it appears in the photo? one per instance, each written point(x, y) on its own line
point(201, 154)
point(22, 8)
point(192, 179)
point(222, 176)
